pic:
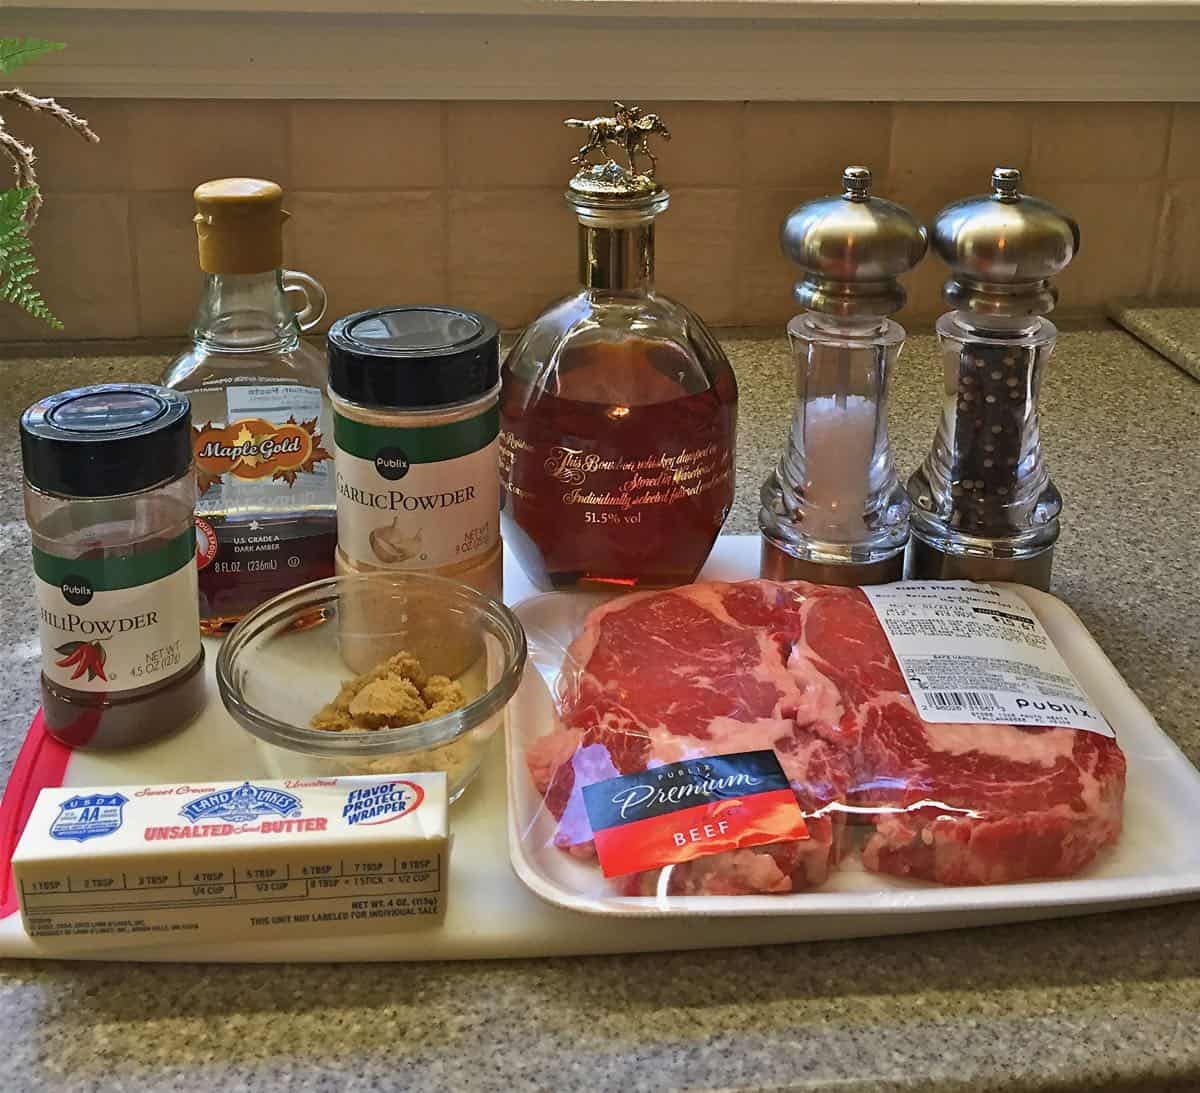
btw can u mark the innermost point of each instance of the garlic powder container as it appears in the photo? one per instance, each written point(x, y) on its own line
point(414, 392)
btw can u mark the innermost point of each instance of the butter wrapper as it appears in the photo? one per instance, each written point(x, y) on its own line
point(214, 861)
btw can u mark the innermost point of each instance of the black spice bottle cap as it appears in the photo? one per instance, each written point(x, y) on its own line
point(413, 357)
point(106, 440)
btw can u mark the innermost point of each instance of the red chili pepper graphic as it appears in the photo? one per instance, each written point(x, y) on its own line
point(84, 656)
point(74, 650)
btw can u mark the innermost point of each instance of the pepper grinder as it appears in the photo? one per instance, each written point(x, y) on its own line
point(984, 507)
point(833, 510)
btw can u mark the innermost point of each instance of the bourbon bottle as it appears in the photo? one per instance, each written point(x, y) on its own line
point(618, 408)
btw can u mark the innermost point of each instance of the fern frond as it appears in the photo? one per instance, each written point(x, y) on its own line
point(17, 266)
point(15, 52)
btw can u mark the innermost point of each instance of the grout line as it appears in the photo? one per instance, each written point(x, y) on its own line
point(743, 213)
point(135, 273)
point(1030, 121)
point(444, 129)
point(289, 150)
point(1156, 274)
point(888, 171)
point(1165, 162)
point(1159, 265)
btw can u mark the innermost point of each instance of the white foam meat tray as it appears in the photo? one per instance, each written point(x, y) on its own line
point(1156, 860)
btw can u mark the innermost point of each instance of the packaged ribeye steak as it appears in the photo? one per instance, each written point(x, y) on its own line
point(760, 736)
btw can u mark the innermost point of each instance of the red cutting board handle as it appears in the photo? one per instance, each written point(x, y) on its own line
point(42, 762)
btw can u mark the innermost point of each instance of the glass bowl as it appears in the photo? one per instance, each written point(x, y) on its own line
point(288, 658)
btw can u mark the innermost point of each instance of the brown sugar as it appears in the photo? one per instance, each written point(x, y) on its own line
point(395, 693)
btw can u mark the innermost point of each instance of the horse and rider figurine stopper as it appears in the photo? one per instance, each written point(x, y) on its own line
point(627, 130)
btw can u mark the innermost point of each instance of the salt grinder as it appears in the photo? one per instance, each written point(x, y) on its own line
point(984, 507)
point(833, 510)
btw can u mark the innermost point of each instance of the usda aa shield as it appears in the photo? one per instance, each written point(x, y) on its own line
point(89, 816)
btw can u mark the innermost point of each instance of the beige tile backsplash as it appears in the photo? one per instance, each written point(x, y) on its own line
point(173, 145)
point(403, 262)
point(510, 251)
point(1116, 261)
point(164, 246)
point(1100, 142)
point(1178, 258)
point(696, 249)
point(366, 145)
point(462, 201)
point(82, 247)
point(937, 142)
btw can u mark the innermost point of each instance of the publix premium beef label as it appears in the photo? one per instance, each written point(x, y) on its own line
point(417, 498)
point(681, 811)
point(115, 624)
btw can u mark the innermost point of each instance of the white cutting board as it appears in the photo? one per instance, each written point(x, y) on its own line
point(491, 914)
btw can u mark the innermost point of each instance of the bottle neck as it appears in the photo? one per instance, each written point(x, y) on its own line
point(619, 259)
point(245, 312)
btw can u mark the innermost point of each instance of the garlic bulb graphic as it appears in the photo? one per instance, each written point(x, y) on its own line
point(392, 547)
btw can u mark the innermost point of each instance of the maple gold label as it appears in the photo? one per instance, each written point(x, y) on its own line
point(253, 448)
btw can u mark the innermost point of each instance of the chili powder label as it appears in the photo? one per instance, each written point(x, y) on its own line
point(681, 811)
point(119, 623)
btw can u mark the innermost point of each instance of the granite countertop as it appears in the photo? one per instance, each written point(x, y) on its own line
point(1171, 328)
point(1073, 1004)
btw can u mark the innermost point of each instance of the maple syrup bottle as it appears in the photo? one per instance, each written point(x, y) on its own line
point(618, 409)
point(266, 517)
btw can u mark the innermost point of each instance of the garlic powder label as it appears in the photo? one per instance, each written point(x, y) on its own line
point(116, 624)
point(417, 498)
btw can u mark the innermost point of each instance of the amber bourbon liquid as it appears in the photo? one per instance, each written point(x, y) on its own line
point(616, 476)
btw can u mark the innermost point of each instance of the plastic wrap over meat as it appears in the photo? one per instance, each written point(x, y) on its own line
point(806, 670)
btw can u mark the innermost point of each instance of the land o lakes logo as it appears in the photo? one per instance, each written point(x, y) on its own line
point(241, 804)
point(382, 803)
point(88, 816)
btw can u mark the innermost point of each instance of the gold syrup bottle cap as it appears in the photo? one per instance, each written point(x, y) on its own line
point(239, 225)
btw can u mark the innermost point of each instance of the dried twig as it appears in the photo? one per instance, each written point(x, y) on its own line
point(22, 158)
point(21, 154)
point(55, 109)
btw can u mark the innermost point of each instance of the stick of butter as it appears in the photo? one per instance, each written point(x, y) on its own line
point(163, 864)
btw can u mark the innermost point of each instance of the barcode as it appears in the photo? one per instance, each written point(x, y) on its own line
point(961, 700)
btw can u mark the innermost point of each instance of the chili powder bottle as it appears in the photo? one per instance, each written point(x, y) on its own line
point(109, 496)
